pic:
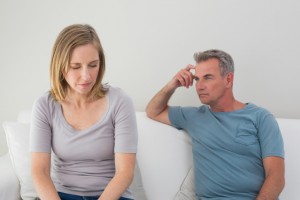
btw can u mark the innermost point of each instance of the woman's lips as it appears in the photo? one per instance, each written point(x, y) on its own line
point(84, 85)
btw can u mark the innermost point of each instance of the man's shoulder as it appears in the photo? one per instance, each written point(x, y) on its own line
point(258, 110)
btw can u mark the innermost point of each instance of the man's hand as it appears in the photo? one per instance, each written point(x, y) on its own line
point(184, 77)
point(157, 108)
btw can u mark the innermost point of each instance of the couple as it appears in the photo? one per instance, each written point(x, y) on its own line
point(91, 129)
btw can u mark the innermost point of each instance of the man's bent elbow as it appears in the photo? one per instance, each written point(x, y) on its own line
point(150, 113)
point(155, 114)
point(161, 116)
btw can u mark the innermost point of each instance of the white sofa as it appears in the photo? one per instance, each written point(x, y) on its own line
point(164, 159)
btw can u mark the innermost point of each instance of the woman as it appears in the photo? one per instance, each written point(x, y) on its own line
point(89, 127)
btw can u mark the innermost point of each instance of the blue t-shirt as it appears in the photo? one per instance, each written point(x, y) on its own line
point(228, 148)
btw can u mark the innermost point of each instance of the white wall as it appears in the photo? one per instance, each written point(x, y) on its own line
point(147, 42)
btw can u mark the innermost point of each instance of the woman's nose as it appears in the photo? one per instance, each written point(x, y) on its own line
point(85, 74)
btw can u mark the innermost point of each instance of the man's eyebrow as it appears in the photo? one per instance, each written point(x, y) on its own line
point(208, 75)
point(205, 76)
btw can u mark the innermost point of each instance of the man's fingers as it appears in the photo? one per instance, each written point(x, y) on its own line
point(185, 78)
point(188, 77)
point(181, 79)
point(189, 67)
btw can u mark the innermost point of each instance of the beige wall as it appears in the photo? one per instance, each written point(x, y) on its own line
point(147, 42)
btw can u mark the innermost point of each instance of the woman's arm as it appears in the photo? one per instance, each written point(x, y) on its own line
point(41, 176)
point(125, 163)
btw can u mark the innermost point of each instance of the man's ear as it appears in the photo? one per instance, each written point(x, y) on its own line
point(229, 79)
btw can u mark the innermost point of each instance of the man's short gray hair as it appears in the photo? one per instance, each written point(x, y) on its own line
point(226, 61)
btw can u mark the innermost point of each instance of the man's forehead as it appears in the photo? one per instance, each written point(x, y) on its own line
point(207, 66)
point(210, 67)
point(209, 60)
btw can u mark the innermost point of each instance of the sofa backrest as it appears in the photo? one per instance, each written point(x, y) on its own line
point(164, 157)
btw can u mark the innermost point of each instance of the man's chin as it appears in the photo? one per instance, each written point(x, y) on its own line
point(203, 101)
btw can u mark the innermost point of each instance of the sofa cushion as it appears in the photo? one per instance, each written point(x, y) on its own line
point(9, 184)
point(17, 135)
point(187, 189)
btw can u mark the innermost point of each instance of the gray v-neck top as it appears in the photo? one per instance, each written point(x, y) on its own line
point(83, 161)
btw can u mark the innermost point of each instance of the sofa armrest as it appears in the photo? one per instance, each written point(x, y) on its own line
point(9, 184)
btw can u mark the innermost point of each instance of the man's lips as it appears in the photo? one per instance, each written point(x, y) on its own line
point(203, 94)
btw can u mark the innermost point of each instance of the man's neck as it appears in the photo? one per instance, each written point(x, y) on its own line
point(227, 106)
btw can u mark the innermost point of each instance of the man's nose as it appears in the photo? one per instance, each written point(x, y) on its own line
point(200, 85)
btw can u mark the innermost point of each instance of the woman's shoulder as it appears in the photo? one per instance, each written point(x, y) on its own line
point(45, 100)
point(117, 96)
point(116, 91)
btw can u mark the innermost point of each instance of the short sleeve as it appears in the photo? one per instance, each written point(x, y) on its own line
point(125, 126)
point(176, 117)
point(270, 137)
point(40, 128)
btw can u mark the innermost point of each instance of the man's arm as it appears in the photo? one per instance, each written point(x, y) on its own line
point(157, 108)
point(274, 181)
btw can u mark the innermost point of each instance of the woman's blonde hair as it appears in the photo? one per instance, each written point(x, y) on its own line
point(68, 39)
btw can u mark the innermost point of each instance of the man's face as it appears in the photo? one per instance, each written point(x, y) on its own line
point(210, 85)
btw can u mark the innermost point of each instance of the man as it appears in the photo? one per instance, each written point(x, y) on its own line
point(237, 147)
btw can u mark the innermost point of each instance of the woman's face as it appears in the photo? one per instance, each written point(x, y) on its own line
point(83, 70)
